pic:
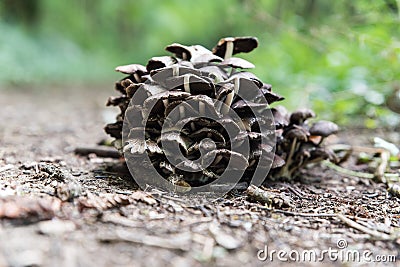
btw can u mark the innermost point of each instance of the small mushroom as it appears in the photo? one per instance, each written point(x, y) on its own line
point(301, 115)
point(191, 83)
point(229, 46)
point(208, 133)
point(295, 134)
point(135, 70)
point(236, 160)
point(250, 76)
point(216, 72)
point(237, 63)
point(280, 115)
point(171, 141)
point(323, 129)
point(160, 62)
point(180, 51)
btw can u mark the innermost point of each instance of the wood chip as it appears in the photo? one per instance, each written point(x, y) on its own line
point(223, 239)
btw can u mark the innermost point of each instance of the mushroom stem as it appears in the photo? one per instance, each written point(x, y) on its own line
point(186, 84)
point(137, 77)
point(202, 108)
point(175, 70)
point(182, 111)
point(229, 50)
point(184, 56)
point(285, 170)
point(229, 97)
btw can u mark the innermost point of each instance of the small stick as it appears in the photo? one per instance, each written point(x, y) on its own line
point(362, 228)
point(300, 214)
point(380, 170)
point(347, 171)
point(98, 151)
point(259, 195)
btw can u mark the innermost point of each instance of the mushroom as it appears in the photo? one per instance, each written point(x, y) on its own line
point(323, 129)
point(280, 115)
point(294, 135)
point(229, 46)
point(135, 70)
point(180, 51)
point(191, 83)
point(299, 116)
point(160, 62)
point(237, 63)
point(249, 76)
point(236, 160)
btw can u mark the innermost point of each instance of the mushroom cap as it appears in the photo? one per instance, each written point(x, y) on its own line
point(297, 132)
point(323, 128)
point(240, 45)
point(249, 76)
point(197, 84)
point(132, 69)
point(300, 115)
point(277, 162)
point(236, 62)
point(160, 62)
point(180, 51)
point(238, 161)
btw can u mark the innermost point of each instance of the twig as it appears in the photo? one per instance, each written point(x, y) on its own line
point(259, 195)
point(347, 171)
point(300, 214)
point(362, 228)
point(6, 168)
point(380, 170)
point(98, 151)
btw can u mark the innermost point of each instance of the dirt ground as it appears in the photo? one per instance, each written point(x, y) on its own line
point(60, 209)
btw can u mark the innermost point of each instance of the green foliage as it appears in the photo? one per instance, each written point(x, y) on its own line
point(339, 57)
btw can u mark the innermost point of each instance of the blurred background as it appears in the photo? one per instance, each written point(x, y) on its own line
point(341, 58)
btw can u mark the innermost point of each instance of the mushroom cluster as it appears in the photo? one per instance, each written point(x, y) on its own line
point(192, 113)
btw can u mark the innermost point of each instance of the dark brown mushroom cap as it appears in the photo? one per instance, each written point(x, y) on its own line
point(132, 69)
point(238, 63)
point(117, 100)
point(267, 86)
point(250, 76)
point(188, 165)
point(160, 62)
point(215, 71)
point(297, 132)
point(114, 129)
point(240, 45)
point(277, 162)
point(226, 124)
point(208, 133)
point(237, 161)
point(191, 83)
point(281, 116)
point(160, 75)
point(299, 116)
point(172, 140)
point(323, 128)
point(137, 146)
point(271, 97)
point(205, 58)
point(180, 51)
point(247, 106)
point(132, 89)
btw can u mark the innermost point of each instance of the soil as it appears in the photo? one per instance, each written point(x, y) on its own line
point(60, 209)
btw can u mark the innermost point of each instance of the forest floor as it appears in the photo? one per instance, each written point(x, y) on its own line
point(60, 209)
